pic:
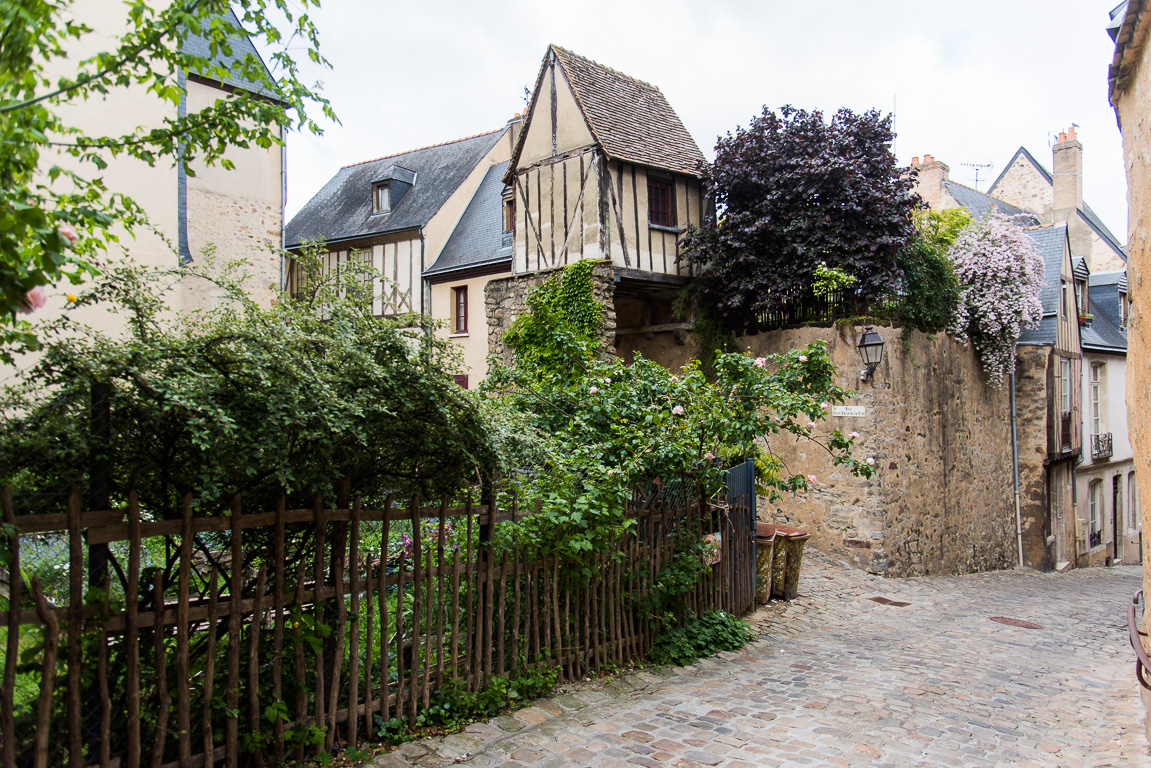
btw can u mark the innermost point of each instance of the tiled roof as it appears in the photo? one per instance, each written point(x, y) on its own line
point(479, 239)
point(241, 48)
point(980, 204)
point(342, 210)
point(1085, 213)
point(1123, 26)
point(1049, 242)
point(631, 119)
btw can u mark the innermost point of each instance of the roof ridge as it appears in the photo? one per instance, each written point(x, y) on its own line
point(605, 67)
point(420, 149)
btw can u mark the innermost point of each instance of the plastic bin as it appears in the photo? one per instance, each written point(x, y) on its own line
point(764, 557)
point(788, 558)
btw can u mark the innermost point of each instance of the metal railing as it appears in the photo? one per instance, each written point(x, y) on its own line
point(1101, 446)
point(1142, 662)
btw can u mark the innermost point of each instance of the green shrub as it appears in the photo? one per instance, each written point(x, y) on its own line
point(704, 636)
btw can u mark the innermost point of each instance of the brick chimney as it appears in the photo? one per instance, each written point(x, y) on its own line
point(932, 174)
point(1067, 159)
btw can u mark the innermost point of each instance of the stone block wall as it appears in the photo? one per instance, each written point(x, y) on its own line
point(942, 500)
point(506, 298)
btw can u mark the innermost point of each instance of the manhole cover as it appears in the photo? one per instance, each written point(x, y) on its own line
point(888, 601)
point(1015, 622)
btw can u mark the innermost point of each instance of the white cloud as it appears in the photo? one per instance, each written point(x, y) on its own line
point(972, 82)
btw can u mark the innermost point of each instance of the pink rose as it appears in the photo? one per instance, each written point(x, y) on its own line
point(677, 410)
point(811, 425)
point(68, 232)
point(854, 435)
point(34, 299)
point(811, 479)
point(593, 390)
point(803, 358)
point(871, 461)
point(610, 472)
point(709, 455)
point(760, 362)
point(825, 405)
point(607, 381)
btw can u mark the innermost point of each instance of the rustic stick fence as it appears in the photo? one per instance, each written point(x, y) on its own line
point(253, 665)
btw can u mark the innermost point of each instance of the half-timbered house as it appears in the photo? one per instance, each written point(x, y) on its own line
point(397, 212)
point(604, 169)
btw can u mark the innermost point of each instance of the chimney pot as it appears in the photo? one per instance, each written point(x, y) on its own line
point(1062, 136)
point(915, 161)
point(1071, 132)
point(928, 159)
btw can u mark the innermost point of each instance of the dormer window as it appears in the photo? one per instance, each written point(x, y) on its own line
point(509, 214)
point(382, 197)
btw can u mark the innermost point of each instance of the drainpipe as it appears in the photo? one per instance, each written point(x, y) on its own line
point(1015, 472)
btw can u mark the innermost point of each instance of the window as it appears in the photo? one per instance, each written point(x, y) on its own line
point(1123, 310)
point(659, 203)
point(1080, 303)
point(509, 214)
point(381, 198)
point(460, 309)
point(1065, 385)
point(461, 379)
point(1063, 298)
point(1094, 502)
point(1096, 394)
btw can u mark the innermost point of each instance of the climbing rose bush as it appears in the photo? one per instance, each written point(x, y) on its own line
point(1001, 275)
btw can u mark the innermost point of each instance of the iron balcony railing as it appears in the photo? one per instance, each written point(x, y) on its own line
point(1101, 446)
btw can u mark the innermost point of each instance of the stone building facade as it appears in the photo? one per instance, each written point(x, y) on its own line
point(1129, 89)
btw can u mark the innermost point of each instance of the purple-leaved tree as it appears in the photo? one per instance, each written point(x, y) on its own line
point(1001, 275)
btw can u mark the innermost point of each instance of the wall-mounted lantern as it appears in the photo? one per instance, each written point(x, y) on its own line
point(870, 347)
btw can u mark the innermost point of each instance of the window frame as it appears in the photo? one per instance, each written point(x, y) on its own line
point(459, 299)
point(1123, 309)
point(1063, 298)
point(1064, 385)
point(1096, 379)
point(509, 215)
point(667, 184)
point(377, 188)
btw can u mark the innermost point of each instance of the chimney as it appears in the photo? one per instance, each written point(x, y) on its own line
point(515, 125)
point(1067, 159)
point(932, 174)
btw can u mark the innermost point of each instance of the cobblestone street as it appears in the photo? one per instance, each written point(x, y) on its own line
point(838, 679)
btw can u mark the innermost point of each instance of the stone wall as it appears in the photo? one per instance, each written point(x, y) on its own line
point(506, 299)
point(943, 499)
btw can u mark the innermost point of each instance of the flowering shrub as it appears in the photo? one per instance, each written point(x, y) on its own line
point(1001, 275)
point(581, 437)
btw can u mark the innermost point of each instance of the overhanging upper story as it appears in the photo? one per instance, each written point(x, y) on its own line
point(603, 169)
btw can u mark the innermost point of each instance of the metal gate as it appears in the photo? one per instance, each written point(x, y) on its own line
point(739, 534)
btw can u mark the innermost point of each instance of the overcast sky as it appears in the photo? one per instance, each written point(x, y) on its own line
point(969, 82)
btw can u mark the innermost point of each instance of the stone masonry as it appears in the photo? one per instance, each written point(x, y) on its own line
point(507, 298)
point(942, 500)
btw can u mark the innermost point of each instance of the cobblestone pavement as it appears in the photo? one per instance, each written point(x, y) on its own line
point(836, 679)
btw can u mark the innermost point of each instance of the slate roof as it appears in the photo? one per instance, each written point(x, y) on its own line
point(1085, 213)
point(980, 204)
point(1079, 268)
point(631, 119)
point(479, 239)
point(1103, 334)
point(1049, 241)
point(342, 209)
point(241, 48)
point(1104, 289)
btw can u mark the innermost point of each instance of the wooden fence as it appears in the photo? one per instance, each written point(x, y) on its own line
point(253, 665)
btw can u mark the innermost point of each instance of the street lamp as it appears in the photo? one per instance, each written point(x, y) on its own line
point(870, 346)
